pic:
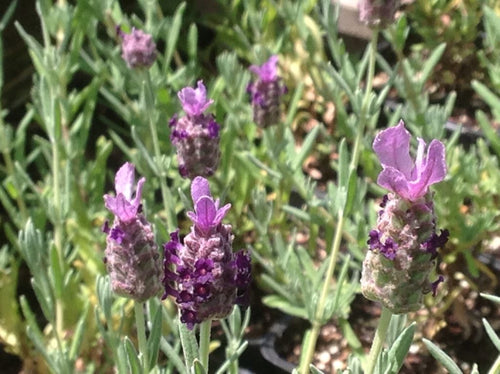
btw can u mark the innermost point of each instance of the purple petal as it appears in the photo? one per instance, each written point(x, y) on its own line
point(199, 188)
point(395, 181)
point(392, 147)
point(221, 213)
point(194, 101)
point(268, 71)
point(205, 212)
point(430, 170)
point(124, 180)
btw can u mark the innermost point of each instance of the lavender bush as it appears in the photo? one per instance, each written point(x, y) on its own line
point(346, 187)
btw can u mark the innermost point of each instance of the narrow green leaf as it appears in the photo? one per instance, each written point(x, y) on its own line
point(306, 148)
point(442, 357)
point(78, 336)
point(198, 368)
point(489, 131)
point(173, 34)
point(192, 45)
point(34, 331)
point(431, 62)
point(132, 359)
point(487, 95)
point(495, 299)
point(278, 302)
point(492, 335)
point(314, 370)
point(351, 192)
point(189, 344)
point(155, 337)
point(400, 348)
point(172, 355)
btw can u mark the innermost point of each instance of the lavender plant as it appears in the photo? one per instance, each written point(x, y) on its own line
point(107, 86)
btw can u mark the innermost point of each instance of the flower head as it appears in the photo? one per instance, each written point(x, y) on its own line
point(203, 274)
point(266, 92)
point(196, 135)
point(403, 246)
point(132, 259)
point(401, 174)
point(138, 48)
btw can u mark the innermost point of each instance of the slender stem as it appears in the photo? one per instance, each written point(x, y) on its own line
point(58, 231)
point(306, 357)
point(496, 366)
point(141, 335)
point(310, 343)
point(378, 341)
point(205, 329)
point(167, 198)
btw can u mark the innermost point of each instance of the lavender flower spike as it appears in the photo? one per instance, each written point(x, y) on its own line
point(196, 135)
point(266, 92)
point(401, 175)
point(131, 254)
point(208, 278)
point(138, 48)
point(377, 12)
point(403, 247)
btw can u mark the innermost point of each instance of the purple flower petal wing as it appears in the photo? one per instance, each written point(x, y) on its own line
point(138, 193)
point(124, 180)
point(205, 212)
point(120, 207)
point(395, 181)
point(268, 71)
point(199, 188)
point(221, 213)
point(392, 147)
point(432, 169)
point(194, 101)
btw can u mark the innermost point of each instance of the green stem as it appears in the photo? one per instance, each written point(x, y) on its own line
point(378, 340)
point(205, 329)
point(313, 333)
point(141, 335)
point(307, 356)
point(496, 366)
point(58, 231)
point(168, 201)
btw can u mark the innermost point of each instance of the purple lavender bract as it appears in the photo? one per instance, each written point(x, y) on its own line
point(266, 92)
point(196, 135)
point(208, 278)
point(138, 48)
point(132, 258)
point(404, 244)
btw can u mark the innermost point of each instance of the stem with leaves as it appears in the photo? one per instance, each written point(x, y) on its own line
point(159, 168)
point(313, 333)
point(378, 341)
point(141, 335)
point(205, 329)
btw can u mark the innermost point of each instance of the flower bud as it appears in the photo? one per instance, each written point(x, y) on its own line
point(196, 135)
point(131, 254)
point(266, 92)
point(138, 48)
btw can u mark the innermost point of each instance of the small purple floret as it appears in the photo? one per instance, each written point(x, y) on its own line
point(434, 285)
point(435, 242)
